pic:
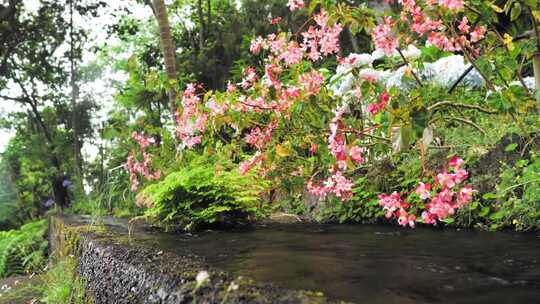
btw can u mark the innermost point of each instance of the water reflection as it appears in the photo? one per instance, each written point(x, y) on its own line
point(377, 264)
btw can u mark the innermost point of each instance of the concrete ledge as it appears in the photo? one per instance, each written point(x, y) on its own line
point(117, 270)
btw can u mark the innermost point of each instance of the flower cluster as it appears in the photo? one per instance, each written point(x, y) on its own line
point(375, 108)
point(295, 4)
point(444, 202)
point(337, 184)
point(418, 20)
point(268, 94)
point(444, 198)
point(384, 38)
point(135, 167)
point(247, 165)
point(318, 41)
point(395, 206)
point(258, 138)
point(191, 121)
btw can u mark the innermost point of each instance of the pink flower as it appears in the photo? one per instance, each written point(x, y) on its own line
point(445, 196)
point(293, 54)
point(313, 148)
point(200, 122)
point(142, 140)
point(258, 138)
point(465, 195)
point(405, 219)
point(342, 187)
point(231, 88)
point(336, 139)
point(323, 39)
point(275, 21)
point(383, 37)
point(357, 60)
point(311, 82)
point(316, 189)
point(390, 203)
point(356, 154)
point(245, 166)
point(455, 162)
point(337, 184)
point(295, 4)
point(257, 45)
point(478, 34)
point(249, 77)
point(446, 180)
point(461, 175)
point(452, 4)
point(429, 218)
point(215, 108)
point(374, 108)
point(329, 41)
point(464, 25)
point(408, 4)
point(423, 191)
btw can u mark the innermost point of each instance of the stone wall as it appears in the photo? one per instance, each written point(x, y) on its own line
point(117, 269)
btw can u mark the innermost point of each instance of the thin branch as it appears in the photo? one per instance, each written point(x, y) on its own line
point(461, 77)
point(367, 135)
point(460, 105)
point(449, 147)
point(412, 70)
point(535, 28)
point(18, 99)
point(501, 41)
point(468, 122)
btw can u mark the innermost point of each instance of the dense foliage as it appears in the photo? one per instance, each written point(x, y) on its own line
point(410, 111)
point(303, 126)
point(23, 250)
point(201, 193)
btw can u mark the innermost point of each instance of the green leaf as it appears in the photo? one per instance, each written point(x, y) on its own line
point(508, 6)
point(449, 220)
point(490, 195)
point(510, 147)
point(531, 3)
point(497, 215)
point(516, 12)
point(484, 211)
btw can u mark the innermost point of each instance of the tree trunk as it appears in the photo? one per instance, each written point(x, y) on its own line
point(201, 27)
point(536, 55)
point(61, 197)
point(536, 67)
point(169, 50)
point(354, 43)
point(77, 162)
point(209, 16)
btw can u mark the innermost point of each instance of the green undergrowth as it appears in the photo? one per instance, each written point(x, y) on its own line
point(204, 192)
point(514, 202)
point(62, 285)
point(23, 250)
point(504, 171)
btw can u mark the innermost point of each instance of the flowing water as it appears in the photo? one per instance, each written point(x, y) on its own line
point(378, 264)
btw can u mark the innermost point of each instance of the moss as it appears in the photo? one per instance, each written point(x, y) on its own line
point(123, 270)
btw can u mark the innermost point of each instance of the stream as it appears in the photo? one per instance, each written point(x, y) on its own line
point(376, 264)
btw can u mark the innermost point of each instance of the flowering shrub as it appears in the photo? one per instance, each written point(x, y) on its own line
point(442, 196)
point(135, 167)
point(294, 119)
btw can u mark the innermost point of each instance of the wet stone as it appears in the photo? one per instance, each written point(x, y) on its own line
point(278, 263)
